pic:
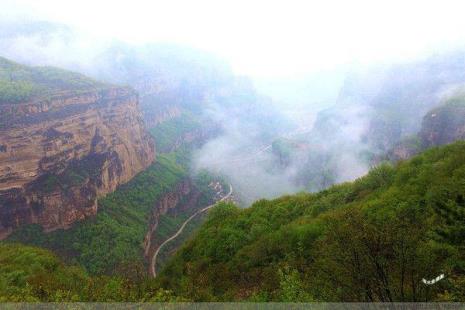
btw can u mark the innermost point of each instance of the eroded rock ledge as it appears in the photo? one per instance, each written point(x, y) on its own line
point(58, 155)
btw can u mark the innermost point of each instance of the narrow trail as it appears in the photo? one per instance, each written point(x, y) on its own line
point(155, 255)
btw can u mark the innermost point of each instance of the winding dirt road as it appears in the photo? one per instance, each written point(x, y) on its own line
point(155, 255)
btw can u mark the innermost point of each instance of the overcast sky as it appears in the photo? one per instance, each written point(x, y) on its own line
point(267, 38)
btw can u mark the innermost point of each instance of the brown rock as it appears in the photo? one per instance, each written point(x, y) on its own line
point(58, 155)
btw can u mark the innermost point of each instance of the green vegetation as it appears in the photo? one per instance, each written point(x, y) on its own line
point(30, 274)
point(170, 223)
point(169, 250)
point(76, 173)
point(374, 239)
point(167, 134)
point(114, 237)
point(14, 92)
point(19, 83)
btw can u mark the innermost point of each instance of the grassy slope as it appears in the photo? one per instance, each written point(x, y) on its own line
point(373, 239)
point(19, 83)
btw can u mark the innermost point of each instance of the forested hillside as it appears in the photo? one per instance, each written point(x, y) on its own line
point(371, 240)
point(30, 274)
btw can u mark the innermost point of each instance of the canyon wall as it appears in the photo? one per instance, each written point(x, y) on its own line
point(444, 124)
point(59, 154)
point(181, 198)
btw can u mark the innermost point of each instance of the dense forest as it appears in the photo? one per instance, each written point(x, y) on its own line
point(30, 274)
point(374, 239)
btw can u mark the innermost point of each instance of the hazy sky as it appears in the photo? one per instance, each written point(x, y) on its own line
point(262, 38)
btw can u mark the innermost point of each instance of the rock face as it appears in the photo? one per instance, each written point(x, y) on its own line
point(403, 150)
point(442, 125)
point(445, 124)
point(162, 116)
point(59, 154)
point(184, 192)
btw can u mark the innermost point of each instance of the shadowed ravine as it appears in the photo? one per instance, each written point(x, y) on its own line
point(155, 254)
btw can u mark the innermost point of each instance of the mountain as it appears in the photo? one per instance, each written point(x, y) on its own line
point(444, 124)
point(374, 239)
point(131, 222)
point(65, 141)
point(377, 110)
point(169, 78)
point(176, 80)
point(441, 125)
point(186, 97)
point(395, 98)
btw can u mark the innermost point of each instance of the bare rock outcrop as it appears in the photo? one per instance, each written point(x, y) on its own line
point(59, 154)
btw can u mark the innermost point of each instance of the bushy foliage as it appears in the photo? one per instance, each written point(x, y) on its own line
point(374, 239)
point(14, 92)
point(29, 274)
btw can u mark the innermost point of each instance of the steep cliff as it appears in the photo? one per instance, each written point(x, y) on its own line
point(66, 141)
point(444, 124)
point(183, 192)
